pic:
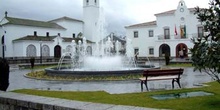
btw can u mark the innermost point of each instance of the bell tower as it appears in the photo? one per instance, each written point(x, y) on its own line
point(90, 18)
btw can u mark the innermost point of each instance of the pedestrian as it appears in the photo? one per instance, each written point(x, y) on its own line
point(181, 54)
point(167, 58)
point(32, 60)
point(136, 58)
point(4, 74)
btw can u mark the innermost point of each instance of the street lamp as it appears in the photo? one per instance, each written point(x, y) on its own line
point(41, 52)
point(3, 45)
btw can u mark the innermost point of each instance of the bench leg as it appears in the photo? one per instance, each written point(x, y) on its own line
point(176, 80)
point(145, 82)
point(142, 82)
point(173, 83)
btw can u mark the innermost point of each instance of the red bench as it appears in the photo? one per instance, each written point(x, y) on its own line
point(161, 74)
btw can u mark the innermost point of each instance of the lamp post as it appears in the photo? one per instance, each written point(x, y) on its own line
point(3, 47)
point(40, 52)
point(3, 44)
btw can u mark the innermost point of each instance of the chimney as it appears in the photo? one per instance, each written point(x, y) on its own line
point(47, 34)
point(6, 14)
point(35, 33)
point(74, 35)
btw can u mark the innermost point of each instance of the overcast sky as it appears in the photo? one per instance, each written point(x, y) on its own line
point(118, 13)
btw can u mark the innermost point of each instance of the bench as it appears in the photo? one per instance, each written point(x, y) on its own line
point(161, 74)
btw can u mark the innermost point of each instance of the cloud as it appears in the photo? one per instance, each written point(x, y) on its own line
point(118, 13)
point(42, 9)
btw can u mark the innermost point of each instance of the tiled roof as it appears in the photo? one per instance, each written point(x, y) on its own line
point(152, 23)
point(28, 22)
point(36, 38)
point(66, 39)
point(47, 38)
point(173, 11)
point(66, 18)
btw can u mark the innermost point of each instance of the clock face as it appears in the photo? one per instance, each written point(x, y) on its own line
point(181, 10)
point(182, 18)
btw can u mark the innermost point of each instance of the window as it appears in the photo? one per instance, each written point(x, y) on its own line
point(31, 51)
point(135, 34)
point(183, 31)
point(200, 32)
point(151, 51)
point(45, 50)
point(87, 2)
point(136, 51)
point(166, 33)
point(151, 33)
point(74, 35)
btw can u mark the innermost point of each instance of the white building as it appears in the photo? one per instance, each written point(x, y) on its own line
point(170, 33)
point(27, 38)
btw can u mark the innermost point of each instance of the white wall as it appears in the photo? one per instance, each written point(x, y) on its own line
point(71, 27)
point(17, 31)
point(164, 20)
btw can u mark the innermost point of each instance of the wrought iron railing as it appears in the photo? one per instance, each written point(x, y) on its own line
point(172, 37)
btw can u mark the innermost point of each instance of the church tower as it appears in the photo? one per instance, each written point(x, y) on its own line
point(90, 18)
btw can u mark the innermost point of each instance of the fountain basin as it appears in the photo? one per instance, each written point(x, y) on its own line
point(87, 72)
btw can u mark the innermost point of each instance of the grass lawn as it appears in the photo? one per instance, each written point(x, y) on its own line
point(142, 99)
point(42, 75)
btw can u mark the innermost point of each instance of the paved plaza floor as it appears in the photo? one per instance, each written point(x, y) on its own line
point(189, 79)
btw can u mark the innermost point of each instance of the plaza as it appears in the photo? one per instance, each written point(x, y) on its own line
point(189, 79)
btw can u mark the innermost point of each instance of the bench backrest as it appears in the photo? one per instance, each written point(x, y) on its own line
point(162, 72)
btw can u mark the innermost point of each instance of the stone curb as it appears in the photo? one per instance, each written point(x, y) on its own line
point(17, 101)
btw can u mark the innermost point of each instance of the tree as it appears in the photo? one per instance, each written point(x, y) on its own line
point(206, 50)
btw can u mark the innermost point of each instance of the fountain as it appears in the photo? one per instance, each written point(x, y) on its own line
point(79, 63)
point(104, 61)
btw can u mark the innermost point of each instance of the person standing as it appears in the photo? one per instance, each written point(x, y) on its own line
point(32, 60)
point(181, 54)
point(4, 74)
point(167, 58)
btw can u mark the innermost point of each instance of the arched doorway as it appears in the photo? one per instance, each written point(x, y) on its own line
point(164, 48)
point(182, 47)
point(57, 51)
point(89, 50)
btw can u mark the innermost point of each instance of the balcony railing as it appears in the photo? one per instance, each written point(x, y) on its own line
point(173, 37)
point(181, 37)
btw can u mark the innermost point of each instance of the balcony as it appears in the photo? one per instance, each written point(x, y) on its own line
point(182, 37)
point(176, 37)
point(163, 37)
